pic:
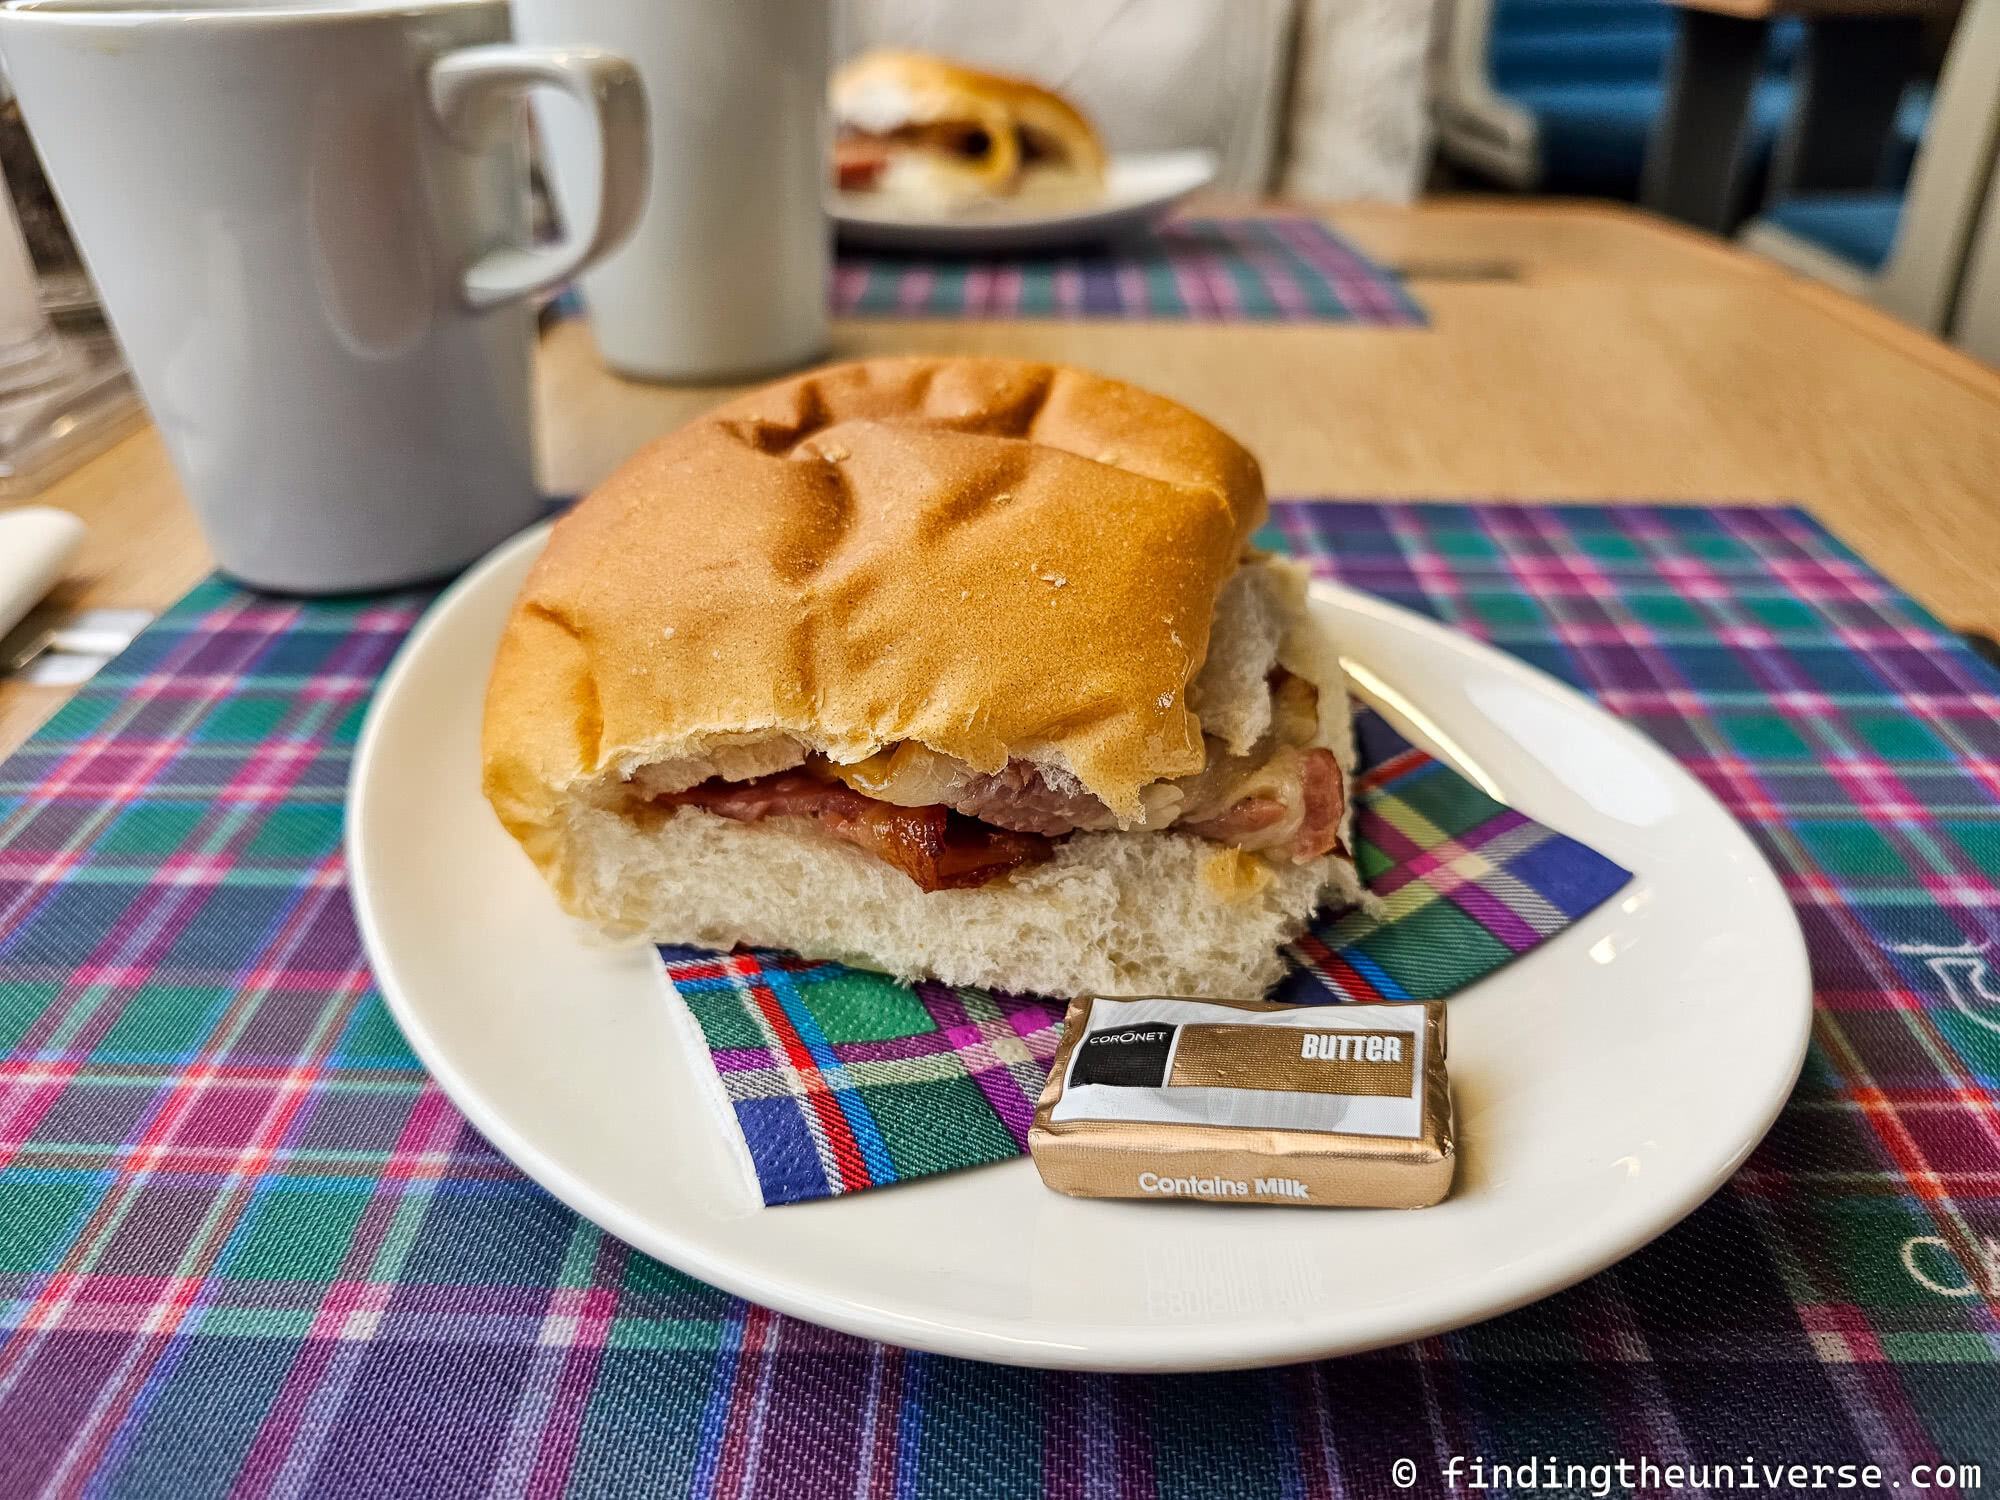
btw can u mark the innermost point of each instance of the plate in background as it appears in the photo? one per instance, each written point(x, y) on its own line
point(1605, 1085)
point(1139, 187)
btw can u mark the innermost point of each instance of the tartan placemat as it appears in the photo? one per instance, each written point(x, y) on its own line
point(839, 1080)
point(1285, 268)
point(1275, 269)
point(245, 1246)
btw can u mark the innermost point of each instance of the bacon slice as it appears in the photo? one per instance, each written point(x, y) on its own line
point(1292, 804)
point(1017, 796)
point(1237, 824)
point(1325, 793)
point(935, 847)
point(785, 794)
point(857, 162)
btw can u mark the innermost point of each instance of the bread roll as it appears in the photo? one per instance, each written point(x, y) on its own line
point(937, 137)
point(1013, 572)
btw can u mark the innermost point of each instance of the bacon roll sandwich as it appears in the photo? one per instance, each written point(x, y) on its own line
point(951, 668)
point(935, 137)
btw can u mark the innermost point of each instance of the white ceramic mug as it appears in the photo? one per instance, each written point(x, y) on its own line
point(308, 221)
point(726, 275)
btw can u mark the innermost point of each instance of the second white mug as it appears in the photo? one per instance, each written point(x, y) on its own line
point(726, 275)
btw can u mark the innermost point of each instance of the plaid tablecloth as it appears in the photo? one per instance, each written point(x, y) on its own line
point(838, 1080)
point(1284, 268)
point(246, 1247)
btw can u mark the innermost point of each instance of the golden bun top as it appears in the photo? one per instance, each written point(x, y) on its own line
point(887, 89)
point(993, 558)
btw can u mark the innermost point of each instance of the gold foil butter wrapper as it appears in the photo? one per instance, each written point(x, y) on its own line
point(1236, 1101)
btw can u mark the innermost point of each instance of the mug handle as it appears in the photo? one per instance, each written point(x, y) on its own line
point(472, 92)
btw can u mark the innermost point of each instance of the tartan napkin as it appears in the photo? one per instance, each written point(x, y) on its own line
point(841, 1080)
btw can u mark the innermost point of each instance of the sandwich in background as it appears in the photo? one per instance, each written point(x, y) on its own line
point(936, 137)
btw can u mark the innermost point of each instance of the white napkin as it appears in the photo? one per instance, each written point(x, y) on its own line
point(36, 544)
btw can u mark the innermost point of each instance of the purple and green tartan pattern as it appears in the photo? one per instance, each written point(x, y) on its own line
point(246, 1248)
point(1270, 269)
point(842, 1080)
point(1274, 269)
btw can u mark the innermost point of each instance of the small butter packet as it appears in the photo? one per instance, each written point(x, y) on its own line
point(1237, 1101)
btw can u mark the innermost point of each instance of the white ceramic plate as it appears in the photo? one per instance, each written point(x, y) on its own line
point(1139, 187)
point(1605, 1085)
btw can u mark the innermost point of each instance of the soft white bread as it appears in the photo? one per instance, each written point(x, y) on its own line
point(1112, 913)
point(952, 136)
point(995, 560)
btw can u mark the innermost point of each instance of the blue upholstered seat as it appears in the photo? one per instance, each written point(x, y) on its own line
point(1526, 55)
point(1860, 228)
point(1593, 134)
point(1591, 72)
point(1912, 115)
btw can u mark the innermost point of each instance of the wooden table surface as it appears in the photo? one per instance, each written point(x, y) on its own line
point(1576, 352)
